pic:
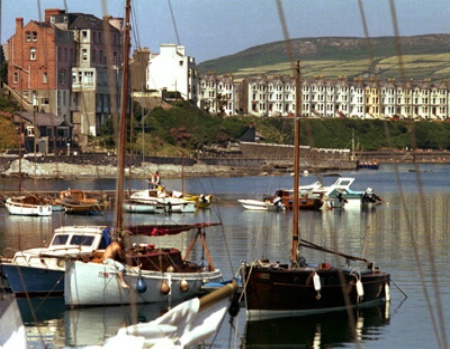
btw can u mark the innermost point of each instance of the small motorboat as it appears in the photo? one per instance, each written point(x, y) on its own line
point(262, 205)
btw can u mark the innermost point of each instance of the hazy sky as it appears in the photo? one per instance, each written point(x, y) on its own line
point(214, 28)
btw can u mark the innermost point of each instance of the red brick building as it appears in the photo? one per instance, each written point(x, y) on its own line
point(68, 65)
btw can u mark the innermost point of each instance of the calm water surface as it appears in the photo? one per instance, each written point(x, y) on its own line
point(407, 236)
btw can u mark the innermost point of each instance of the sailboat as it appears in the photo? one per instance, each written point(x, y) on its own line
point(28, 205)
point(154, 274)
point(277, 290)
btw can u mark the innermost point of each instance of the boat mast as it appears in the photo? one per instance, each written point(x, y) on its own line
point(123, 125)
point(295, 233)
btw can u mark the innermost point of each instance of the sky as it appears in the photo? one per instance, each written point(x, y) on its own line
point(214, 28)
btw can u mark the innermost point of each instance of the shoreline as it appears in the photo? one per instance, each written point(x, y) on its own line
point(62, 170)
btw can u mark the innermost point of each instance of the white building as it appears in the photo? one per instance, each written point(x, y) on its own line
point(171, 70)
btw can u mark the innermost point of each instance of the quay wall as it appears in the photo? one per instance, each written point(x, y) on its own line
point(246, 159)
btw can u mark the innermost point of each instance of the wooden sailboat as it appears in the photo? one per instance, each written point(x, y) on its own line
point(153, 274)
point(273, 289)
point(28, 205)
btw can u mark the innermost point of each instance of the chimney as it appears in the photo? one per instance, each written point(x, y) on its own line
point(49, 12)
point(19, 24)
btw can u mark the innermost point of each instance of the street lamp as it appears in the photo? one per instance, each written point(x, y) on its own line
point(68, 149)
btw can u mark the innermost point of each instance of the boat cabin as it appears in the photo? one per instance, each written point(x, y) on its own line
point(70, 241)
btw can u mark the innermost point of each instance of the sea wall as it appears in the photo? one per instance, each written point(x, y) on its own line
point(247, 159)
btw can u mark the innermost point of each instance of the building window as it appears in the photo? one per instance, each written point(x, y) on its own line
point(84, 55)
point(89, 78)
point(84, 35)
point(45, 78)
point(28, 36)
point(62, 76)
point(34, 36)
point(32, 54)
point(16, 78)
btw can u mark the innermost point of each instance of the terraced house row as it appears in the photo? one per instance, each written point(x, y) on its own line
point(418, 100)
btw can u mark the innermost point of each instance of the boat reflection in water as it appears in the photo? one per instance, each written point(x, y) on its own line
point(329, 330)
point(44, 319)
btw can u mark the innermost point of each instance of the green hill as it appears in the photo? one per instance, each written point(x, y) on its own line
point(185, 129)
point(422, 57)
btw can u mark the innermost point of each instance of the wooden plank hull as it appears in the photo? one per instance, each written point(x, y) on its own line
point(282, 292)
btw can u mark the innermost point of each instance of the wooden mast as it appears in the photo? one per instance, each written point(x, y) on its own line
point(123, 125)
point(295, 232)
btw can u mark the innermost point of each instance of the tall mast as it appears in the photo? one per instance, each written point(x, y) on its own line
point(295, 233)
point(123, 125)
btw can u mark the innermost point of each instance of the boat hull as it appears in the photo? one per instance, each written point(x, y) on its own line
point(260, 205)
point(275, 292)
point(142, 207)
point(32, 281)
point(178, 206)
point(23, 209)
point(82, 209)
point(89, 284)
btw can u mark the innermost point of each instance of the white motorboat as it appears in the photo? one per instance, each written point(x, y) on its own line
point(40, 271)
point(261, 205)
point(158, 197)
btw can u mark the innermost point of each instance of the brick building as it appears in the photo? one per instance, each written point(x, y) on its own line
point(68, 65)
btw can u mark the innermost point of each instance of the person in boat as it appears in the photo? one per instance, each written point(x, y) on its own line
point(155, 181)
point(110, 257)
point(370, 197)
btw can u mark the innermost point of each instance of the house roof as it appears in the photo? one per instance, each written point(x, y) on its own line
point(85, 21)
point(41, 119)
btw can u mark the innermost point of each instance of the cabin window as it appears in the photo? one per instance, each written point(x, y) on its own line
point(81, 240)
point(60, 239)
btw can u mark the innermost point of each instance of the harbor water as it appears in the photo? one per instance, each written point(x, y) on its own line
point(407, 236)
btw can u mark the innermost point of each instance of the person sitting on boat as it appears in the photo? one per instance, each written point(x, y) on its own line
point(112, 252)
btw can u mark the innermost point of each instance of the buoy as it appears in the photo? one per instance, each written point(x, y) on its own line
point(359, 288)
point(184, 286)
point(317, 284)
point(170, 269)
point(165, 288)
point(141, 286)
